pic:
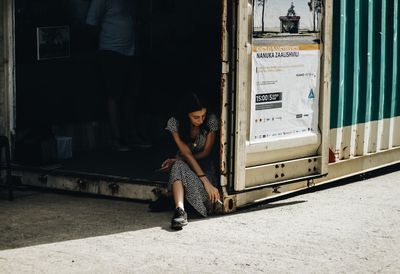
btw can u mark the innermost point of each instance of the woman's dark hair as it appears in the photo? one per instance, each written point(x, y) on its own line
point(191, 103)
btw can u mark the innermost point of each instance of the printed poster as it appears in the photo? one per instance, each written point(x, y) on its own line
point(285, 91)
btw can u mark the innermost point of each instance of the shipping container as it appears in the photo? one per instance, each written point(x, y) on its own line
point(307, 92)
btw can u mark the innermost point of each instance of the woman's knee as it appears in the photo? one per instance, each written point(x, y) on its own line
point(177, 184)
point(179, 164)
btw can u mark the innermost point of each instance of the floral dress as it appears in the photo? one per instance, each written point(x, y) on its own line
point(195, 193)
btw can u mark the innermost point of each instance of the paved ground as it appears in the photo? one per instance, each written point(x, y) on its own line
point(350, 228)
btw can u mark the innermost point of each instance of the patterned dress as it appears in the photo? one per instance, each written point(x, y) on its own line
point(195, 193)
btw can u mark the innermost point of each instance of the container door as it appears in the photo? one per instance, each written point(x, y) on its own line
point(282, 92)
point(7, 94)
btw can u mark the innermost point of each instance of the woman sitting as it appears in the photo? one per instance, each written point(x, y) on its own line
point(193, 175)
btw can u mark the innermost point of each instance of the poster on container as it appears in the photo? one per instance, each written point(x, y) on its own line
point(285, 91)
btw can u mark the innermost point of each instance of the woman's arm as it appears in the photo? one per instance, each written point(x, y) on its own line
point(213, 193)
point(187, 154)
point(207, 147)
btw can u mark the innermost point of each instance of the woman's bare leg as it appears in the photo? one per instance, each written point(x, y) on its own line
point(178, 192)
point(179, 219)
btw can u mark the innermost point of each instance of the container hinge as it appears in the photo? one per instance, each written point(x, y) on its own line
point(276, 189)
point(225, 67)
point(114, 188)
point(82, 185)
point(43, 179)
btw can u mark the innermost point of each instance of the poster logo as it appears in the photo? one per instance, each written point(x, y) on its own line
point(311, 95)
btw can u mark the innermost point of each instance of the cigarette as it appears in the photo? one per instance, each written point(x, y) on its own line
point(219, 201)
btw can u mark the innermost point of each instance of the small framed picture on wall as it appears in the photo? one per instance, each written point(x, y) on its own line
point(53, 42)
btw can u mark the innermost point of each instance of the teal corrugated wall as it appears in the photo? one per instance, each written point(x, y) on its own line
point(365, 61)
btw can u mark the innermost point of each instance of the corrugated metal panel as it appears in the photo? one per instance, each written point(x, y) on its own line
point(365, 67)
point(395, 109)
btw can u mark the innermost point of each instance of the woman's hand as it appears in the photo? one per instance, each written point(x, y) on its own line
point(213, 193)
point(167, 164)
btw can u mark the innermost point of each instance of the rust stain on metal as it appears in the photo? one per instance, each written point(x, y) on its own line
point(332, 157)
point(224, 32)
point(223, 171)
point(223, 83)
point(223, 162)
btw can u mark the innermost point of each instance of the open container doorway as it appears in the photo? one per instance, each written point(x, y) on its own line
point(59, 91)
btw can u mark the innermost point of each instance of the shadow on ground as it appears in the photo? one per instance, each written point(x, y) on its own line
point(38, 217)
point(263, 206)
point(42, 217)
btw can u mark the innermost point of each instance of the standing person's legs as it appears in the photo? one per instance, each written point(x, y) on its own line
point(112, 109)
point(131, 108)
point(129, 101)
point(113, 71)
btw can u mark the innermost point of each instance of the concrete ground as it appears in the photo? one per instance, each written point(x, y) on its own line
point(350, 228)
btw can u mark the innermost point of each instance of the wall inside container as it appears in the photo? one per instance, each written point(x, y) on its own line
point(2, 78)
point(178, 46)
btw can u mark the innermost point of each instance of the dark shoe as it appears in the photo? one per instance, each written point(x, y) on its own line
point(179, 219)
